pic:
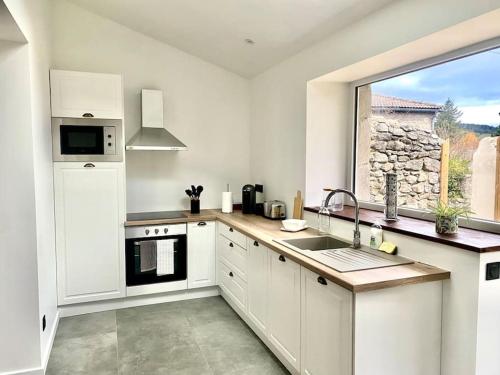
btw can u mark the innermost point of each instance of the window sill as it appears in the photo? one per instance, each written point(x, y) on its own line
point(468, 239)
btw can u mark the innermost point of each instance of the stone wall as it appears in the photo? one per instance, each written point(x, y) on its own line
point(412, 153)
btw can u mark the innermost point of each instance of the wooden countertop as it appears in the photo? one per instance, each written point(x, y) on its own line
point(467, 239)
point(264, 231)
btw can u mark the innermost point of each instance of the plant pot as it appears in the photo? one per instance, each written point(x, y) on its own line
point(195, 206)
point(447, 224)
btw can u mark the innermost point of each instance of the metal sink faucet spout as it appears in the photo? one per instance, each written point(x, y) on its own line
point(356, 242)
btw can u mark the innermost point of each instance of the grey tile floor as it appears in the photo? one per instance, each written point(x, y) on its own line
point(195, 337)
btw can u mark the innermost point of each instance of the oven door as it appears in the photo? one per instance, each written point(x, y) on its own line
point(152, 260)
point(82, 139)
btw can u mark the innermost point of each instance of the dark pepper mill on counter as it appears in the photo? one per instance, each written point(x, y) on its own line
point(248, 198)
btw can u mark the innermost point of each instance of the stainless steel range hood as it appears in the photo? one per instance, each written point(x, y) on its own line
point(153, 136)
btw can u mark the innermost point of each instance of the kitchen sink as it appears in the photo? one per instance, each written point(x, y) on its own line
point(339, 255)
point(316, 243)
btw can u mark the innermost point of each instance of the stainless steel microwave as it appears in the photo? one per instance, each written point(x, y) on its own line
point(87, 139)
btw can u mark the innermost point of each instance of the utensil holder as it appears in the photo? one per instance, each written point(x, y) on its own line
point(195, 206)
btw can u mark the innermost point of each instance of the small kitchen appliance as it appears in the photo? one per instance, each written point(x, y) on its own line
point(86, 139)
point(275, 210)
point(248, 198)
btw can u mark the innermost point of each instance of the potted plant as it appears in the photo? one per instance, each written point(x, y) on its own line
point(447, 217)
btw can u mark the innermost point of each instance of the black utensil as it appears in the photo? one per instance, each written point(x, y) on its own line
point(193, 189)
point(189, 193)
point(199, 189)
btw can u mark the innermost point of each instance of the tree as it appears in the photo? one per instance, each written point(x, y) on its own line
point(447, 121)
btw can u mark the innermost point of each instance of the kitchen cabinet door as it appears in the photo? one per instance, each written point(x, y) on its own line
point(201, 254)
point(326, 343)
point(258, 260)
point(90, 243)
point(284, 307)
point(82, 94)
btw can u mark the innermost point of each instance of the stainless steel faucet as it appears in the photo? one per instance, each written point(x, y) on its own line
point(356, 242)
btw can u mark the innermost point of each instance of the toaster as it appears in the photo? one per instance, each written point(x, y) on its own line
point(275, 210)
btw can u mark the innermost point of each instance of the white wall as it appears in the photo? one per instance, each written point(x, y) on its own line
point(33, 18)
point(205, 106)
point(279, 94)
point(327, 114)
point(19, 314)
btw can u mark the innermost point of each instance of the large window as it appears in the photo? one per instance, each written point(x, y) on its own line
point(438, 129)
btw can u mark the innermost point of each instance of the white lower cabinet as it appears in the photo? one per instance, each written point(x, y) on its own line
point(201, 254)
point(316, 327)
point(284, 307)
point(90, 243)
point(257, 276)
point(326, 323)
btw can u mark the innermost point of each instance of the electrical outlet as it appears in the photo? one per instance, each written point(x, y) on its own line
point(493, 271)
point(44, 323)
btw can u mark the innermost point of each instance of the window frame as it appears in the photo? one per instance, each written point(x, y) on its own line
point(473, 223)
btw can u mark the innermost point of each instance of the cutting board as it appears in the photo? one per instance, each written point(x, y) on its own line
point(297, 206)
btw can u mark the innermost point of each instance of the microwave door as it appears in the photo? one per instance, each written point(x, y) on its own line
point(82, 140)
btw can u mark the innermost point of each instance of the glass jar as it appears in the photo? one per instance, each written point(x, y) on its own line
point(323, 219)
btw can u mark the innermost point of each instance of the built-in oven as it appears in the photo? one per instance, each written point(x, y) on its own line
point(86, 139)
point(155, 254)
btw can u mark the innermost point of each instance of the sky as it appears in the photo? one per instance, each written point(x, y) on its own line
point(473, 83)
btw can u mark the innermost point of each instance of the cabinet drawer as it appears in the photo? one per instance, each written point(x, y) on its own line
point(232, 234)
point(233, 285)
point(234, 255)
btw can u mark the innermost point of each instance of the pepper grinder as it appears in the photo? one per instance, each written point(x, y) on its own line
point(391, 197)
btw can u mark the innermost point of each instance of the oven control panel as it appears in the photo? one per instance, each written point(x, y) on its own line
point(155, 231)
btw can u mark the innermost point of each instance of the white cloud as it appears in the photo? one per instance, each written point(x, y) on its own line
point(484, 114)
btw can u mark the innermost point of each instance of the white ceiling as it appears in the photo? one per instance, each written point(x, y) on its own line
point(214, 30)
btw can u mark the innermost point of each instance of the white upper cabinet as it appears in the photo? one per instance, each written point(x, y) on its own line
point(90, 243)
point(82, 94)
point(326, 327)
point(201, 254)
point(258, 259)
point(284, 307)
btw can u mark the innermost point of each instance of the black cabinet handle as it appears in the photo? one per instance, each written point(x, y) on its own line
point(282, 258)
point(231, 274)
point(89, 165)
point(231, 244)
point(322, 280)
point(202, 223)
point(87, 114)
point(255, 243)
point(230, 229)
